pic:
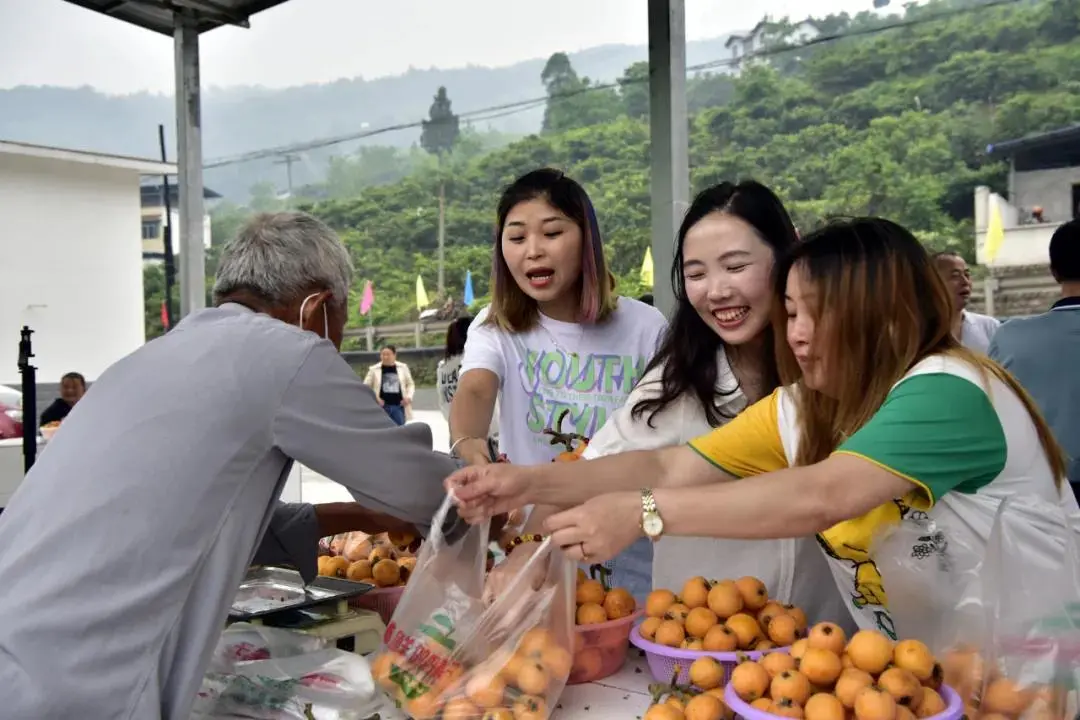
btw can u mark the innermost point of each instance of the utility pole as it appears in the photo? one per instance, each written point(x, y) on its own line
point(442, 229)
point(170, 257)
point(287, 160)
point(439, 135)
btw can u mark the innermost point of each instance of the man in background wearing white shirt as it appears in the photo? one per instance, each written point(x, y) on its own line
point(974, 331)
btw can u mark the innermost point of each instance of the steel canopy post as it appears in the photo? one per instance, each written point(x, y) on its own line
point(669, 139)
point(189, 163)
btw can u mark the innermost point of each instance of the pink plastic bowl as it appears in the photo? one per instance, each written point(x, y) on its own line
point(600, 649)
point(954, 707)
point(663, 659)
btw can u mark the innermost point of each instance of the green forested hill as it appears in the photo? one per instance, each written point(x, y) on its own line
point(893, 123)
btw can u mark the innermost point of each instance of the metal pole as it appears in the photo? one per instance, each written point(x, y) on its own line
point(442, 236)
point(669, 138)
point(29, 399)
point(170, 258)
point(189, 159)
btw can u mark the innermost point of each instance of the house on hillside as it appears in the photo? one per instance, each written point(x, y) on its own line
point(769, 34)
point(70, 258)
point(1043, 192)
point(152, 194)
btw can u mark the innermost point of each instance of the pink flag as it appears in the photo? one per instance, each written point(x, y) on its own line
point(368, 299)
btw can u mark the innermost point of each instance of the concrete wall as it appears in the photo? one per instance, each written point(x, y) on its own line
point(1051, 189)
point(72, 265)
point(1024, 244)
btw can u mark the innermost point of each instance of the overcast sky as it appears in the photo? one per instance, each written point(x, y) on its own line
point(52, 42)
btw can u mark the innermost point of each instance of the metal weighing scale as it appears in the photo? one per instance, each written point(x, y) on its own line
point(278, 597)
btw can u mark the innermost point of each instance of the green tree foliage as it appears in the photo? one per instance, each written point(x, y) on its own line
point(895, 122)
point(441, 129)
point(575, 102)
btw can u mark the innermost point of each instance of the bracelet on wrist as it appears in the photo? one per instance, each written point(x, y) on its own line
point(459, 441)
point(521, 540)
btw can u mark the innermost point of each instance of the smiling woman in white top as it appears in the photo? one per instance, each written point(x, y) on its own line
point(717, 357)
point(556, 345)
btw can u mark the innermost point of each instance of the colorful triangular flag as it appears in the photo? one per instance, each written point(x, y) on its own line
point(368, 299)
point(647, 268)
point(995, 230)
point(469, 299)
point(421, 294)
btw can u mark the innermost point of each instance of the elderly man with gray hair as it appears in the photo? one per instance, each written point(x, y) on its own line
point(124, 546)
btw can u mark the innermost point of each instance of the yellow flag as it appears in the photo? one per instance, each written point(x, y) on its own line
point(995, 230)
point(421, 295)
point(647, 268)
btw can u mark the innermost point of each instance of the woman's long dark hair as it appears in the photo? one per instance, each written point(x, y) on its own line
point(688, 350)
point(456, 334)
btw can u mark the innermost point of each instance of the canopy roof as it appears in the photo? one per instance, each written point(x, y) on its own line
point(158, 15)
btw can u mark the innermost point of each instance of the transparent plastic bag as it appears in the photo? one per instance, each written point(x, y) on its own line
point(931, 575)
point(447, 651)
point(273, 674)
point(1031, 664)
point(996, 598)
point(245, 642)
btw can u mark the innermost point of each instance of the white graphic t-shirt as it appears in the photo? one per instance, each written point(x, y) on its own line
point(446, 380)
point(583, 371)
point(446, 377)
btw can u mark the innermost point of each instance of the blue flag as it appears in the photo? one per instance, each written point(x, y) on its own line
point(468, 288)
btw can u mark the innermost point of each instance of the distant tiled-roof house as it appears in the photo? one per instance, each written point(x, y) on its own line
point(767, 33)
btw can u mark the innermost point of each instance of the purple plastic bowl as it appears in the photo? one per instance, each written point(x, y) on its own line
point(954, 706)
point(663, 659)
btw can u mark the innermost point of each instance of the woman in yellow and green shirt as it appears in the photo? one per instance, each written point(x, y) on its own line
point(883, 418)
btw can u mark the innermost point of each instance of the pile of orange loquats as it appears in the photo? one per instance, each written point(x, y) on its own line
point(429, 684)
point(721, 616)
point(826, 677)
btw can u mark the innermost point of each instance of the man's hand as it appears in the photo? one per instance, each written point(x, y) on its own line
point(406, 402)
point(380, 401)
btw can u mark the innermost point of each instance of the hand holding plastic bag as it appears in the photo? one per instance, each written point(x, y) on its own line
point(448, 651)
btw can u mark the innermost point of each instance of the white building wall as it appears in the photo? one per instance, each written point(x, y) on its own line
point(1024, 244)
point(70, 265)
point(1050, 189)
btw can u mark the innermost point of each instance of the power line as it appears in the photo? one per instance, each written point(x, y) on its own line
point(512, 108)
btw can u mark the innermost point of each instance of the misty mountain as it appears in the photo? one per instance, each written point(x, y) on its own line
point(244, 119)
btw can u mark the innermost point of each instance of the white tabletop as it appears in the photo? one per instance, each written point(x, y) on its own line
point(623, 695)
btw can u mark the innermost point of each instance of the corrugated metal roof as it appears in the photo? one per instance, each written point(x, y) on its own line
point(1069, 134)
point(1049, 150)
point(158, 15)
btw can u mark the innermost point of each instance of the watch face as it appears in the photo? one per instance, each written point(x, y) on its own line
point(652, 525)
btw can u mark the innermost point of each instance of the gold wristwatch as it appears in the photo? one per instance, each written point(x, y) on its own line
point(651, 522)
